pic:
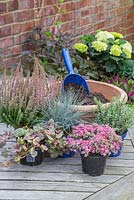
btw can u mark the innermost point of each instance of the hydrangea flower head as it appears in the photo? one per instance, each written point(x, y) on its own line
point(99, 46)
point(103, 36)
point(115, 50)
point(117, 35)
point(117, 41)
point(127, 46)
point(81, 47)
point(127, 53)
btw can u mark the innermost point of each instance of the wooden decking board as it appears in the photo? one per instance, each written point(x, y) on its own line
point(131, 135)
point(51, 186)
point(77, 169)
point(120, 190)
point(79, 178)
point(41, 195)
point(63, 179)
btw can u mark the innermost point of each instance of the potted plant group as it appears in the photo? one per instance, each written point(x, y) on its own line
point(94, 142)
point(61, 111)
point(118, 115)
point(32, 143)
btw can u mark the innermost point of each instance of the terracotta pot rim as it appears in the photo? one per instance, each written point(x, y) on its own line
point(92, 108)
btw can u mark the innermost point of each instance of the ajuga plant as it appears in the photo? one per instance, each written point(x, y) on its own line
point(61, 110)
point(22, 96)
point(117, 115)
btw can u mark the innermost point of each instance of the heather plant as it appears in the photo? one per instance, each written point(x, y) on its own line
point(94, 139)
point(109, 51)
point(61, 110)
point(117, 115)
point(22, 96)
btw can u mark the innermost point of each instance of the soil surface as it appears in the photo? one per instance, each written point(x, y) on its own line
point(83, 96)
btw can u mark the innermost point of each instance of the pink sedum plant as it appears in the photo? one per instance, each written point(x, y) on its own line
point(94, 140)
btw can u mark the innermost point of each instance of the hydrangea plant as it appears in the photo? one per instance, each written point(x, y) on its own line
point(108, 50)
point(94, 139)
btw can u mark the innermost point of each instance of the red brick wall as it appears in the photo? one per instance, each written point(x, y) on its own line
point(19, 17)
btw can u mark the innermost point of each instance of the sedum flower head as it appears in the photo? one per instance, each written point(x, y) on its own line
point(81, 47)
point(99, 46)
point(115, 50)
point(103, 36)
point(117, 35)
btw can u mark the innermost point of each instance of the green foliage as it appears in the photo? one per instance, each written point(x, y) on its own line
point(20, 132)
point(117, 115)
point(62, 112)
point(15, 116)
point(48, 47)
point(86, 67)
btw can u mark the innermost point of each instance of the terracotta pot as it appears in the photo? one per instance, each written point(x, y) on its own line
point(108, 90)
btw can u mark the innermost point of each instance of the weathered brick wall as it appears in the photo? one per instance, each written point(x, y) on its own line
point(19, 17)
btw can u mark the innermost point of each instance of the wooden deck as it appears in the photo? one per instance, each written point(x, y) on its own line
point(63, 179)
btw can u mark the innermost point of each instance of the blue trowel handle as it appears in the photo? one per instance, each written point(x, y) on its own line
point(67, 61)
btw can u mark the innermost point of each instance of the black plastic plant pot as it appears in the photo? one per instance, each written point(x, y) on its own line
point(33, 161)
point(93, 165)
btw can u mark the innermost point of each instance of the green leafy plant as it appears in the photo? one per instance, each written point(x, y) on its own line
point(62, 112)
point(109, 51)
point(117, 115)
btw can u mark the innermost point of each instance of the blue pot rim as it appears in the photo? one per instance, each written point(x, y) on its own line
point(123, 135)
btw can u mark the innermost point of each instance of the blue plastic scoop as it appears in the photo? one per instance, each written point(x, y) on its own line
point(72, 77)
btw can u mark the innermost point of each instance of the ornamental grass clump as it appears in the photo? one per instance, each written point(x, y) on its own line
point(94, 139)
point(117, 115)
point(21, 97)
point(61, 110)
point(109, 51)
